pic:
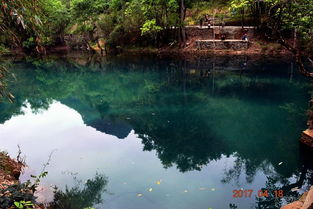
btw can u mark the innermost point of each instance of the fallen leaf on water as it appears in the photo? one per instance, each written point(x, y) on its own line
point(213, 189)
point(139, 195)
point(280, 163)
point(150, 190)
point(159, 181)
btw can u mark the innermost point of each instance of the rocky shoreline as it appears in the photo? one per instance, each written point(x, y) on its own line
point(305, 202)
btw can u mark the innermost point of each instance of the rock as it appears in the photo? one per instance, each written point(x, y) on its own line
point(308, 203)
point(294, 205)
point(305, 202)
point(307, 138)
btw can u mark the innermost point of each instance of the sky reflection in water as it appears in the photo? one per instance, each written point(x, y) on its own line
point(202, 136)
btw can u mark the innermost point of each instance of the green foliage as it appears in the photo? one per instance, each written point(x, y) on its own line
point(18, 195)
point(29, 24)
point(296, 15)
point(24, 204)
point(20, 20)
point(56, 20)
point(281, 17)
point(107, 23)
point(29, 43)
point(115, 36)
point(87, 10)
point(201, 8)
point(135, 17)
point(150, 27)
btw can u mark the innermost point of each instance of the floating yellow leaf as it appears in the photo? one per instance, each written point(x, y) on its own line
point(150, 190)
point(139, 195)
point(159, 182)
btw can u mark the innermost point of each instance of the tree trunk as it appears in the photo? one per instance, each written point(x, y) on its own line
point(242, 17)
point(182, 31)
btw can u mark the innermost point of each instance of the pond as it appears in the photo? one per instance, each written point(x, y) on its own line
point(146, 132)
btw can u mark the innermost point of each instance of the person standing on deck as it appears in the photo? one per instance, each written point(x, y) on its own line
point(244, 37)
point(209, 23)
point(208, 20)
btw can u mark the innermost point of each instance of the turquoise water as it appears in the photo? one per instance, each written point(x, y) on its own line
point(160, 133)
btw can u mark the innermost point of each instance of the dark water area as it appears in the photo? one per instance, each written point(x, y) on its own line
point(147, 132)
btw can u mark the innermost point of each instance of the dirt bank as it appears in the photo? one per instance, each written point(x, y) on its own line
point(9, 170)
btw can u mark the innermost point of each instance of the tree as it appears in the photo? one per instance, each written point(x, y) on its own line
point(297, 16)
point(20, 21)
point(279, 18)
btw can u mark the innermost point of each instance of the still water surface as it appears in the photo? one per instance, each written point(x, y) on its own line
point(160, 133)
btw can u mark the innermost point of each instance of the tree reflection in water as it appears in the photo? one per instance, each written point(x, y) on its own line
point(4, 74)
point(80, 197)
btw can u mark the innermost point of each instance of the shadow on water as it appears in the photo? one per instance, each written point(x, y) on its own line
point(189, 112)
